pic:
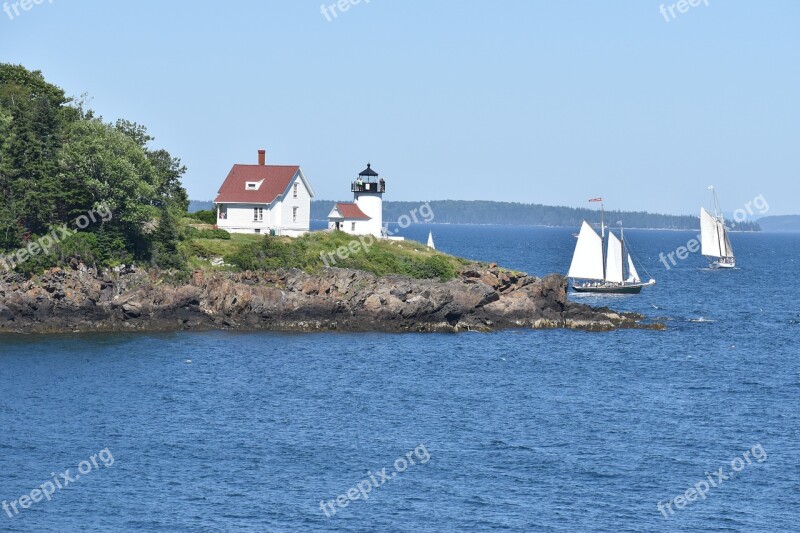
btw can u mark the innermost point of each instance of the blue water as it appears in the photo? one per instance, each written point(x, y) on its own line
point(523, 430)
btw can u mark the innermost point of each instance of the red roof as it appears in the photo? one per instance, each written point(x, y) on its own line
point(351, 211)
point(276, 180)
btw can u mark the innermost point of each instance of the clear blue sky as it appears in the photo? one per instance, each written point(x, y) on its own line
point(535, 101)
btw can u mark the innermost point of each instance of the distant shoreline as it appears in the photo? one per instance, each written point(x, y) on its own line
point(486, 213)
point(566, 227)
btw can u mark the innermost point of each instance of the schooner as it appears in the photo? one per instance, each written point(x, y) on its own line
point(716, 245)
point(604, 264)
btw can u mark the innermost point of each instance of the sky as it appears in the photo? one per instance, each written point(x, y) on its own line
point(533, 101)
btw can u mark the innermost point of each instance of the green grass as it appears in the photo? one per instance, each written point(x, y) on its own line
point(381, 257)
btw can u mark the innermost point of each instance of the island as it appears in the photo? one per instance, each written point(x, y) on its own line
point(96, 235)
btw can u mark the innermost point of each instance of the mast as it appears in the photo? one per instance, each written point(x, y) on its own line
point(603, 234)
point(719, 218)
point(622, 239)
point(602, 220)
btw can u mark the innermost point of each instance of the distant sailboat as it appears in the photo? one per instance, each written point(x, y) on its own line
point(604, 265)
point(430, 241)
point(716, 245)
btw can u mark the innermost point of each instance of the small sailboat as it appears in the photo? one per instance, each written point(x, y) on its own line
point(430, 241)
point(604, 265)
point(716, 245)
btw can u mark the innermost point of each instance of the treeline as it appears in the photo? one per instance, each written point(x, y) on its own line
point(58, 162)
point(512, 213)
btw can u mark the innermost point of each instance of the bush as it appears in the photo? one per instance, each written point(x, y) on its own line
point(206, 216)
point(105, 247)
point(214, 234)
point(435, 266)
point(189, 233)
point(381, 257)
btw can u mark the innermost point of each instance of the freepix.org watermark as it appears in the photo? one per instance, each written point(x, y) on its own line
point(693, 245)
point(44, 245)
point(403, 221)
point(330, 13)
point(682, 6)
point(713, 480)
point(365, 242)
point(59, 481)
point(13, 9)
point(363, 489)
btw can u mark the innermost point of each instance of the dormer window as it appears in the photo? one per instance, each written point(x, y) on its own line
point(253, 185)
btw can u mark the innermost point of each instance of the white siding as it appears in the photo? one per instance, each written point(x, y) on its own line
point(362, 227)
point(240, 218)
point(303, 205)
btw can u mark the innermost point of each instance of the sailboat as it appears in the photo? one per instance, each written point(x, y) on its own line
point(430, 241)
point(604, 265)
point(716, 245)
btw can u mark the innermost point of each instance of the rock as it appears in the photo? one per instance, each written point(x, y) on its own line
point(76, 298)
point(132, 310)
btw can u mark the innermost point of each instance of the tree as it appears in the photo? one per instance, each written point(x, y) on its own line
point(165, 251)
point(58, 161)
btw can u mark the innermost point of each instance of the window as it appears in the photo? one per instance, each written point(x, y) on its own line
point(258, 230)
point(294, 214)
point(294, 190)
point(251, 186)
point(353, 226)
point(258, 214)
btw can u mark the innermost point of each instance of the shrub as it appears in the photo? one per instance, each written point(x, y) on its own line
point(189, 232)
point(206, 216)
point(214, 234)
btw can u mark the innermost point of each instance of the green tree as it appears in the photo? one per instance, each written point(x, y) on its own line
point(165, 251)
point(58, 161)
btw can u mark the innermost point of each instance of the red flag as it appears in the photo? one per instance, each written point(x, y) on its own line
point(596, 200)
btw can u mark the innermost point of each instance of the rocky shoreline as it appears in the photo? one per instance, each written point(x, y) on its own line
point(81, 299)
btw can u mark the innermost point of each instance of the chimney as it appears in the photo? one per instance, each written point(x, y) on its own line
point(262, 157)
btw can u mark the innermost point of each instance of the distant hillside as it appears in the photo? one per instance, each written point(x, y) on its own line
point(785, 223)
point(482, 212)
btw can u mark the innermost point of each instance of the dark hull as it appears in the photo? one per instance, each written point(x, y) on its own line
point(627, 289)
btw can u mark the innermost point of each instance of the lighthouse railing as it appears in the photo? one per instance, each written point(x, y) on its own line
point(366, 186)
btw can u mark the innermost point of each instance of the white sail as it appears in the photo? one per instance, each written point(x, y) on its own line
point(726, 243)
point(632, 274)
point(430, 241)
point(614, 259)
point(587, 261)
point(709, 235)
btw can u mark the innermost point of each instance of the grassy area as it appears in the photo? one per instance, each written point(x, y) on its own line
point(381, 257)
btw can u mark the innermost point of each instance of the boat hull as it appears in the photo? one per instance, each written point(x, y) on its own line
point(715, 264)
point(622, 289)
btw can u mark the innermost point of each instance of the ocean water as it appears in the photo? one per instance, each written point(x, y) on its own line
point(509, 431)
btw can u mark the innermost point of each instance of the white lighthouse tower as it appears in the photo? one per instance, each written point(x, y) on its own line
point(365, 215)
point(368, 192)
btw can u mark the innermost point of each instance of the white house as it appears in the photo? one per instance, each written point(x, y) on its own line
point(269, 199)
point(363, 216)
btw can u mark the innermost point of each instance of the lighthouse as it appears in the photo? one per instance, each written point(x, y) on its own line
point(368, 192)
point(364, 216)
